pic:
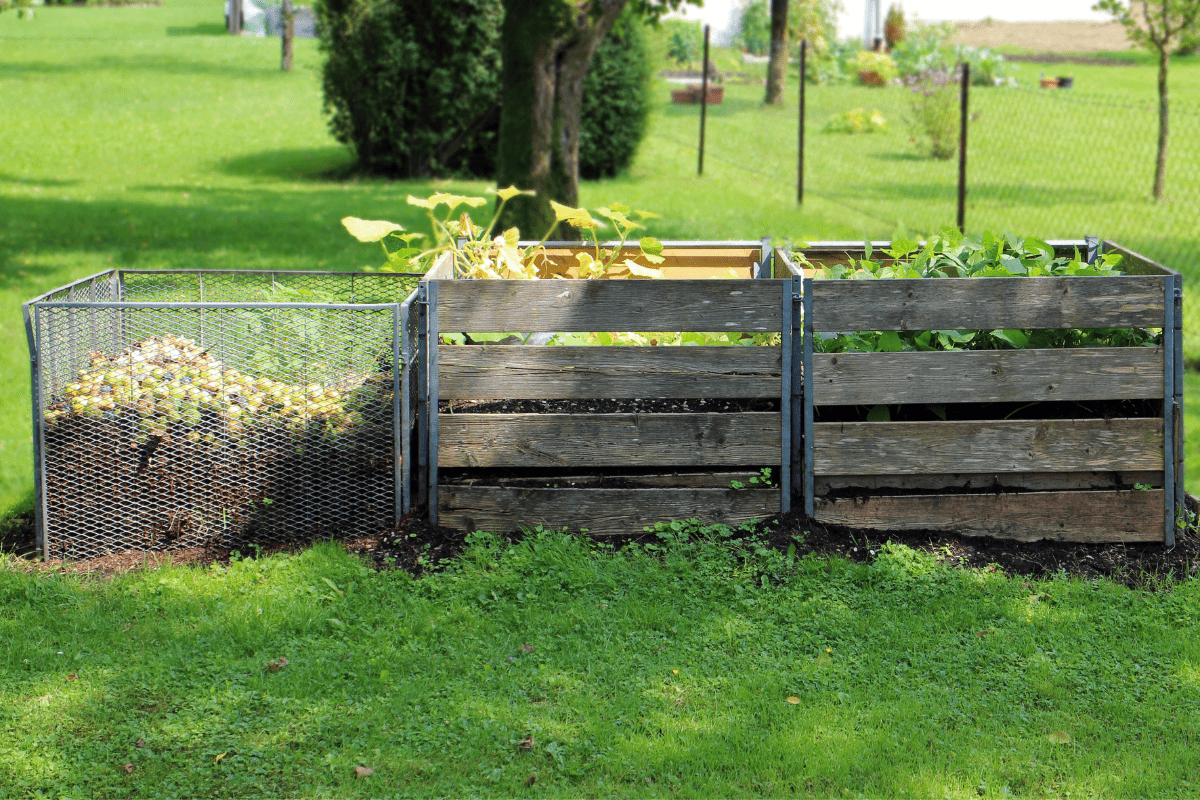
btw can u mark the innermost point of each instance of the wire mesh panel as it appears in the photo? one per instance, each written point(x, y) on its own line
point(167, 426)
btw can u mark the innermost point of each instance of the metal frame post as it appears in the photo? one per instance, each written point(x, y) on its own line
point(806, 294)
point(399, 395)
point(1169, 412)
point(422, 392)
point(406, 421)
point(433, 402)
point(785, 400)
point(766, 259)
point(39, 493)
point(1177, 336)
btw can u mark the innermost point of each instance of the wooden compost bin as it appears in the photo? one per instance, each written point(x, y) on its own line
point(609, 473)
point(1027, 479)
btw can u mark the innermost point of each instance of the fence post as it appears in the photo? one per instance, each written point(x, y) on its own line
point(962, 149)
point(800, 164)
point(1169, 454)
point(289, 34)
point(703, 102)
point(235, 17)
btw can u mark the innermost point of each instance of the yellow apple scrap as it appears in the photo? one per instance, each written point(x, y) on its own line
point(169, 379)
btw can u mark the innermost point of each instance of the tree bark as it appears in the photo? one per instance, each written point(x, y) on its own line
point(289, 35)
point(777, 67)
point(546, 54)
point(1160, 162)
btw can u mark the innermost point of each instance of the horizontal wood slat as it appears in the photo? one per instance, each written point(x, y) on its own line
point(610, 479)
point(1050, 445)
point(988, 376)
point(610, 305)
point(988, 303)
point(534, 373)
point(603, 512)
point(1034, 481)
point(680, 263)
point(1121, 516)
point(609, 440)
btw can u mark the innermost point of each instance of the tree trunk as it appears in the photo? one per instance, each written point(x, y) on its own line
point(777, 67)
point(545, 59)
point(1160, 162)
point(289, 35)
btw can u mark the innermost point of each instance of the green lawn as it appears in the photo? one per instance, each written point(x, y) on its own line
point(145, 137)
point(656, 672)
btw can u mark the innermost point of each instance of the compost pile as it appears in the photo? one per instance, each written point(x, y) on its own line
point(163, 445)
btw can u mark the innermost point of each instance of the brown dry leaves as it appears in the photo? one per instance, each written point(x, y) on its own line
point(276, 665)
point(362, 772)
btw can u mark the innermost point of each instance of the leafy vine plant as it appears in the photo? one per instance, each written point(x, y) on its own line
point(481, 252)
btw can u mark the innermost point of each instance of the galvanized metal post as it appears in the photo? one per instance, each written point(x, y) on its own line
point(785, 399)
point(406, 379)
point(806, 293)
point(1169, 413)
point(34, 396)
point(799, 390)
point(422, 392)
point(766, 259)
point(399, 395)
point(433, 402)
point(1180, 458)
point(1093, 248)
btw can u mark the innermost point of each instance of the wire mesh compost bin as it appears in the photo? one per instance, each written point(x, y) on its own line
point(216, 408)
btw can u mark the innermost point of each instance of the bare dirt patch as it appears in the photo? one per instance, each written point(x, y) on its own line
point(1044, 37)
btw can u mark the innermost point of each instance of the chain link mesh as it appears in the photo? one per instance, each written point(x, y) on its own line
point(169, 427)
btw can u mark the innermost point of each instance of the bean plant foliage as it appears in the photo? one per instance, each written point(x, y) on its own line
point(986, 255)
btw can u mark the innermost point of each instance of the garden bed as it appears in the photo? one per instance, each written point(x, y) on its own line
point(1094, 477)
point(621, 464)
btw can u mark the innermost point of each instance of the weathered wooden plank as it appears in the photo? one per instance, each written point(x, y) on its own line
point(1134, 263)
point(987, 376)
point(612, 479)
point(1034, 481)
point(988, 303)
point(602, 512)
point(1114, 516)
point(534, 373)
point(681, 262)
point(442, 269)
point(611, 305)
point(609, 440)
point(1040, 445)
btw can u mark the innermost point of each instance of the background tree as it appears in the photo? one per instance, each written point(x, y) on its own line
point(894, 26)
point(1156, 25)
point(546, 48)
point(777, 66)
point(813, 21)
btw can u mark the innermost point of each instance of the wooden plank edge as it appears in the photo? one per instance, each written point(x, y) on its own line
point(601, 512)
point(1120, 516)
point(1032, 481)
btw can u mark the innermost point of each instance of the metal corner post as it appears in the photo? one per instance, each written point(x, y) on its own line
point(433, 402)
point(795, 291)
point(399, 395)
point(786, 328)
point(422, 393)
point(806, 293)
point(1169, 413)
point(1180, 452)
point(766, 259)
point(39, 491)
point(406, 421)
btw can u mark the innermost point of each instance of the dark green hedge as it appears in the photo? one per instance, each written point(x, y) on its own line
point(414, 88)
point(616, 100)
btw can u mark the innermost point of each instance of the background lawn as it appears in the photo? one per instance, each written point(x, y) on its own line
point(146, 137)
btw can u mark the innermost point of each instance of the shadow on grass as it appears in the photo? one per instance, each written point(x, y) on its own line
point(6, 178)
point(199, 29)
point(306, 164)
point(145, 64)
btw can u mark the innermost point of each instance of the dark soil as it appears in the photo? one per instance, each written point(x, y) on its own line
point(418, 547)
